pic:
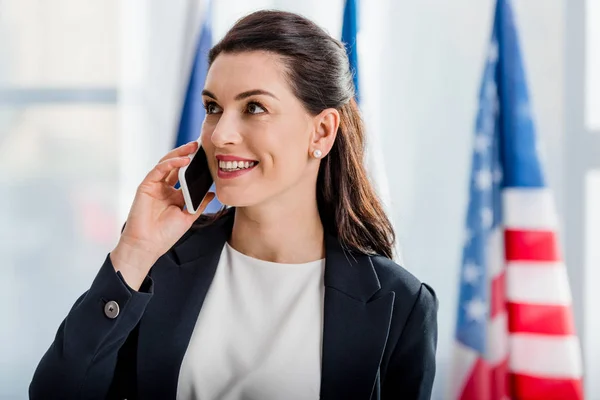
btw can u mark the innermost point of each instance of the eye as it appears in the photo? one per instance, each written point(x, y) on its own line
point(255, 108)
point(212, 108)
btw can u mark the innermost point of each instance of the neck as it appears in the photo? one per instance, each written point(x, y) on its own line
point(279, 233)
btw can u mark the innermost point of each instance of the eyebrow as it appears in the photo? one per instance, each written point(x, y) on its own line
point(242, 95)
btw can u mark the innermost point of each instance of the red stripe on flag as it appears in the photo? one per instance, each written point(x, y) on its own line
point(542, 319)
point(477, 386)
point(537, 388)
point(531, 245)
point(498, 297)
point(500, 382)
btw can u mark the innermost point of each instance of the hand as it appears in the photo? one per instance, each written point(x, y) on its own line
point(156, 219)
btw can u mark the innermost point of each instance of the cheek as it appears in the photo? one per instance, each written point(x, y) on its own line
point(288, 154)
point(205, 136)
point(209, 149)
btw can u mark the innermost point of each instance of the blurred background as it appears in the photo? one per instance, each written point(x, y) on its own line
point(91, 95)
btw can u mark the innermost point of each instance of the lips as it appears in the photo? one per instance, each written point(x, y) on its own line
point(230, 166)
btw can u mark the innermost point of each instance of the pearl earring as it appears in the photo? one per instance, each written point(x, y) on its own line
point(317, 153)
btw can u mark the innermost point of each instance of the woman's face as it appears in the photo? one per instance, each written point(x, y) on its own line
point(257, 136)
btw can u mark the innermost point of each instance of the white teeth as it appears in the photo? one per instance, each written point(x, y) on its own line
point(235, 165)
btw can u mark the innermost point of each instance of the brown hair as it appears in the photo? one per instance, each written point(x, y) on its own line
point(318, 71)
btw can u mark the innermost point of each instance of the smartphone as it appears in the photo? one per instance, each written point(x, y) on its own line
point(195, 180)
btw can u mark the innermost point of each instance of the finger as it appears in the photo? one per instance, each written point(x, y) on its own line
point(178, 199)
point(180, 151)
point(162, 169)
point(173, 177)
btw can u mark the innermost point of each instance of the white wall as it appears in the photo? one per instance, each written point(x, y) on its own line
point(421, 68)
point(429, 99)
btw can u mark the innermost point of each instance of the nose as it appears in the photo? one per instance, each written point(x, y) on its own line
point(226, 131)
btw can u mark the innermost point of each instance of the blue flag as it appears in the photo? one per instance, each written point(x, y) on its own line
point(349, 33)
point(193, 113)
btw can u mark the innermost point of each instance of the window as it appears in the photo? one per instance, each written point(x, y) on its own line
point(60, 171)
point(592, 68)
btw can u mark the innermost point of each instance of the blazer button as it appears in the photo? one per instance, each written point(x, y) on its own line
point(111, 309)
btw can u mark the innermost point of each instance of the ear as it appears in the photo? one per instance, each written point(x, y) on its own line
point(325, 127)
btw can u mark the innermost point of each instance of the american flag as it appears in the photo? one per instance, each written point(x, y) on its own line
point(515, 335)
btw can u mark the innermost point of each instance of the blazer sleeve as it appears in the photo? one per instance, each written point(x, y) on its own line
point(411, 369)
point(81, 361)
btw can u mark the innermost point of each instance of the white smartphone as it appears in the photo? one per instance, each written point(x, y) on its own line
point(195, 180)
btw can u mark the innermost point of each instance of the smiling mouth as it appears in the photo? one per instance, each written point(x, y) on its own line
point(231, 166)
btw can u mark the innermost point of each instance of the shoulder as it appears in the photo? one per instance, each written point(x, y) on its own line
point(411, 295)
point(408, 366)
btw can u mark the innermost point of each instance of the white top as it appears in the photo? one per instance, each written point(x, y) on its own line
point(259, 333)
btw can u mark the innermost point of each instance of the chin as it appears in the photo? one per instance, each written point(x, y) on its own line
point(235, 197)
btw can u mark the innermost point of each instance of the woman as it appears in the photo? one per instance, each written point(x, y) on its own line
point(289, 294)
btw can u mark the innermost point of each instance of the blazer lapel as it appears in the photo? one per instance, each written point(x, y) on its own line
point(356, 325)
point(181, 281)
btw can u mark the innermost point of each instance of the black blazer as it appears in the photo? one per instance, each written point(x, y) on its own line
point(379, 335)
